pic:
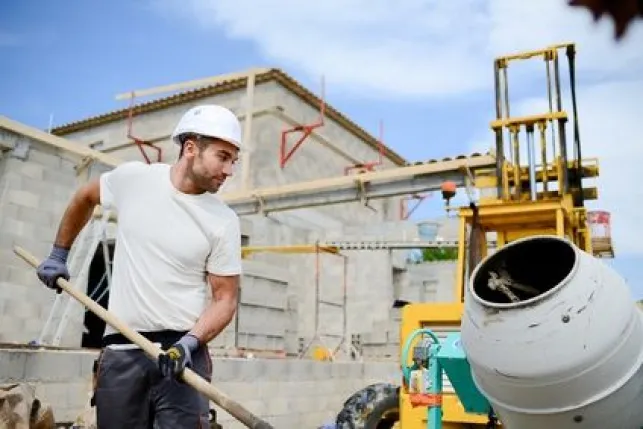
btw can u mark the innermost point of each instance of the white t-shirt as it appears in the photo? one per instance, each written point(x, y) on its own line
point(166, 243)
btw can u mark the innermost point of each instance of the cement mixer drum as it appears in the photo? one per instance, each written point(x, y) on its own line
point(554, 338)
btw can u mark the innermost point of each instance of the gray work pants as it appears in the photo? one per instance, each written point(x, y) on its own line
point(131, 393)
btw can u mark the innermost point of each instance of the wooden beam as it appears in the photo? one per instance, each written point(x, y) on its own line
point(58, 142)
point(190, 84)
point(248, 143)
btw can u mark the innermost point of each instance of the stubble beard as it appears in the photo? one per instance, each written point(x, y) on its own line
point(205, 183)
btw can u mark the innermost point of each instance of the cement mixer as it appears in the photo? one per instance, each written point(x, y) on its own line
point(553, 338)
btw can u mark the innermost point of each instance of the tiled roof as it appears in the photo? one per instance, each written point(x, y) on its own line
point(227, 86)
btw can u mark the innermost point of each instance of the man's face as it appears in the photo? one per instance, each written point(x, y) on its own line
point(210, 163)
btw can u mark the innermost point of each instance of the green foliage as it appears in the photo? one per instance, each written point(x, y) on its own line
point(440, 254)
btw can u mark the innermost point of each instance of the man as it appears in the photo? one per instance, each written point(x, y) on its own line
point(175, 240)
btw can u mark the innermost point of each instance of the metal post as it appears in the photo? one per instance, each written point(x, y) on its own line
point(435, 388)
point(531, 159)
point(500, 151)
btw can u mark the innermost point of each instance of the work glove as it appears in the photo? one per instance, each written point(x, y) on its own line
point(54, 267)
point(178, 356)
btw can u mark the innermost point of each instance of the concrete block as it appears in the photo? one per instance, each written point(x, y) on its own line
point(49, 366)
point(31, 170)
point(18, 228)
point(262, 321)
point(264, 292)
point(62, 178)
point(13, 366)
point(278, 405)
point(42, 157)
point(23, 198)
point(37, 217)
point(56, 394)
point(258, 269)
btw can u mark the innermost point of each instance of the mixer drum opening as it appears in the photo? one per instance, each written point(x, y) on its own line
point(524, 270)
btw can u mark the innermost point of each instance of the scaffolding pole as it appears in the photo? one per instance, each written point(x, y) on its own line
point(317, 334)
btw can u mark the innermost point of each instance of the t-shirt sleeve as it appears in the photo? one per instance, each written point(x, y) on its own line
point(115, 183)
point(225, 258)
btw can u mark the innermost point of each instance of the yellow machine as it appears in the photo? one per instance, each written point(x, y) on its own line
point(535, 188)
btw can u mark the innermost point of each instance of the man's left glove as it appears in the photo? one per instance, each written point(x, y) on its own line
point(54, 267)
point(178, 357)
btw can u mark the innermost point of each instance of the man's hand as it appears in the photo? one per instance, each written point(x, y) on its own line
point(54, 267)
point(178, 357)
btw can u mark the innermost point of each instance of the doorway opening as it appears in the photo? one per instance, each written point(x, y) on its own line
point(98, 290)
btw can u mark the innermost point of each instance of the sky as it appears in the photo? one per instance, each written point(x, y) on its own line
point(423, 67)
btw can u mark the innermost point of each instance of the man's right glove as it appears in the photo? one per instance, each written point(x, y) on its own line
point(53, 268)
point(178, 356)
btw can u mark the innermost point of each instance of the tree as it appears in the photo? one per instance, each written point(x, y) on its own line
point(440, 254)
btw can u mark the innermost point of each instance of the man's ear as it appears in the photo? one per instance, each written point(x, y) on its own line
point(189, 147)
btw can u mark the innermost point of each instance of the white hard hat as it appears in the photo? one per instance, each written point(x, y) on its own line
point(211, 121)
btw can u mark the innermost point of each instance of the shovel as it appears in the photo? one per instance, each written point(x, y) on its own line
point(235, 409)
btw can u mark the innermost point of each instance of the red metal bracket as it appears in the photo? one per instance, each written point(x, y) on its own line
point(405, 213)
point(284, 154)
point(140, 143)
point(370, 166)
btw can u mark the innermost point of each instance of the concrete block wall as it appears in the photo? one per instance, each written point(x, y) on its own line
point(36, 182)
point(264, 315)
point(383, 342)
point(425, 282)
point(372, 274)
point(289, 393)
point(431, 282)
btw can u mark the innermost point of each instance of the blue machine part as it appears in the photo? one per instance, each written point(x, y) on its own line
point(454, 363)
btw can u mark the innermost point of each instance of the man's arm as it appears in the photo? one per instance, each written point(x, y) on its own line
point(224, 272)
point(76, 216)
point(78, 213)
point(218, 315)
point(213, 320)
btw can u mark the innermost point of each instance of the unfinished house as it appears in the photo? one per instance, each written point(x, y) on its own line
point(309, 177)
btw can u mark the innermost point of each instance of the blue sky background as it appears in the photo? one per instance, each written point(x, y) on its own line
point(424, 68)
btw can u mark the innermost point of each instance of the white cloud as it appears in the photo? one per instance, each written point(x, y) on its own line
point(430, 49)
point(415, 48)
